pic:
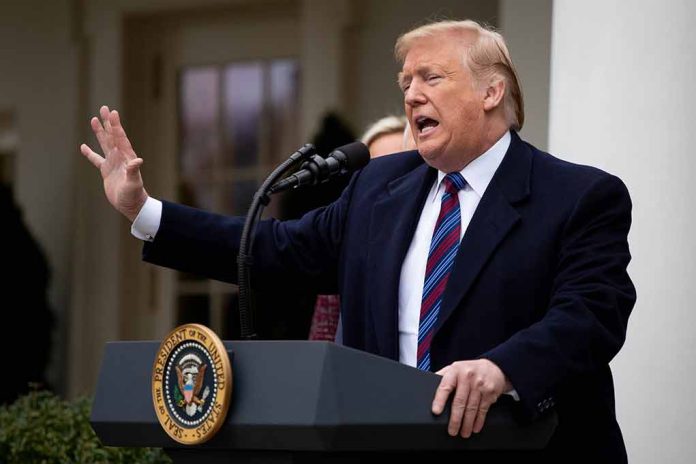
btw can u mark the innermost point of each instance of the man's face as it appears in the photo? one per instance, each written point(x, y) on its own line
point(443, 104)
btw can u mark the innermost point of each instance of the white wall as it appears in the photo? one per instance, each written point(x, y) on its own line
point(623, 99)
point(38, 82)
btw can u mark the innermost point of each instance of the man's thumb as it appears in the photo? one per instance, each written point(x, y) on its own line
point(133, 168)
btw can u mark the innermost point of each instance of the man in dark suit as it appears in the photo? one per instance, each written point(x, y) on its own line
point(479, 257)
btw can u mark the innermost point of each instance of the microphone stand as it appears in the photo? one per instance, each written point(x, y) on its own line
point(244, 259)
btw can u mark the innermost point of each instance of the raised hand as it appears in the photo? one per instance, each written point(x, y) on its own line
point(119, 167)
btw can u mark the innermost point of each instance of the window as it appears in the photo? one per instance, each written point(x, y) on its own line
point(236, 123)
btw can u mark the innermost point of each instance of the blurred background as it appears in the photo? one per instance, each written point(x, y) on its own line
point(214, 93)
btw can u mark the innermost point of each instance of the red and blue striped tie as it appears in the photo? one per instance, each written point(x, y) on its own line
point(443, 249)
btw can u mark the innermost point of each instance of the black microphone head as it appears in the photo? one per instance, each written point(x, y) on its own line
point(356, 155)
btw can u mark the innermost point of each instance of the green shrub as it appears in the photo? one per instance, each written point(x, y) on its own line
point(41, 428)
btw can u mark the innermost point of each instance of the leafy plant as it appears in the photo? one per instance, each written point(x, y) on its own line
point(41, 428)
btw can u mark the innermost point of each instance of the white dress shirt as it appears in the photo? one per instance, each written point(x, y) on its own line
point(478, 175)
point(148, 220)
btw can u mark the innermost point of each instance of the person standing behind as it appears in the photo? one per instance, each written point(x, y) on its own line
point(24, 288)
point(388, 135)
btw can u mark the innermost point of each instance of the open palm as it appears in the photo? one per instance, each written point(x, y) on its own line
point(119, 167)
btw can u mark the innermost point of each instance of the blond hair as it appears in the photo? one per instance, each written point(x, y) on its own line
point(383, 126)
point(487, 56)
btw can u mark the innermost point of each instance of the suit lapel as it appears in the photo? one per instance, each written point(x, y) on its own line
point(494, 218)
point(392, 225)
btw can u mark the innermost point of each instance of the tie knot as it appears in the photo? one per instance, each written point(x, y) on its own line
point(454, 182)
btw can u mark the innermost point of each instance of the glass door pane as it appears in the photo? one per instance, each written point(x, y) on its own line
point(236, 122)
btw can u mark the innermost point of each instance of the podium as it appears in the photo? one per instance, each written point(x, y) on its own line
point(302, 401)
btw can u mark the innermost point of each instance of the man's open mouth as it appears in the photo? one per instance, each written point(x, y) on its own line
point(425, 124)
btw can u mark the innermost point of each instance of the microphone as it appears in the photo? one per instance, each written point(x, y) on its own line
point(316, 170)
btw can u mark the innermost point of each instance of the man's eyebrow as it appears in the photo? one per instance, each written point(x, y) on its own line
point(419, 70)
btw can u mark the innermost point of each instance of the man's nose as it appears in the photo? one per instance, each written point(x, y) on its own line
point(413, 96)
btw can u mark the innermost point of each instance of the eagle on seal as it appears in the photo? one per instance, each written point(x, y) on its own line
point(190, 378)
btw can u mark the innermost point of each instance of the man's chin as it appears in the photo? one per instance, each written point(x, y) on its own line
point(438, 160)
point(429, 155)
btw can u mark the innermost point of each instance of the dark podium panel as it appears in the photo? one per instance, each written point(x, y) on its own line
point(299, 401)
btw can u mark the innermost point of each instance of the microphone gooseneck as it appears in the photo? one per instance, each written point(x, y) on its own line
point(317, 170)
point(244, 260)
point(313, 170)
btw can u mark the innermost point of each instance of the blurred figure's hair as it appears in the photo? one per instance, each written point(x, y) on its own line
point(384, 126)
point(408, 142)
point(485, 53)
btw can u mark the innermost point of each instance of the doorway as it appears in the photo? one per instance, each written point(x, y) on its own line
point(211, 102)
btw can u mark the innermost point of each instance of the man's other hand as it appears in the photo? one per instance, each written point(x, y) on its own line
point(476, 386)
point(120, 166)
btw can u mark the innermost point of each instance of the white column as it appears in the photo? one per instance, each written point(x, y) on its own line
point(623, 98)
point(94, 316)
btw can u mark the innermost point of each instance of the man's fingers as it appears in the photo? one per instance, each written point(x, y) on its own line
point(93, 157)
point(102, 137)
point(447, 386)
point(106, 121)
point(481, 416)
point(489, 395)
point(476, 385)
point(470, 412)
point(97, 128)
point(459, 402)
point(119, 134)
point(115, 119)
point(104, 113)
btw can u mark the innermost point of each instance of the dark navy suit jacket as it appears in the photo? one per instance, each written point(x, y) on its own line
point(539, 285)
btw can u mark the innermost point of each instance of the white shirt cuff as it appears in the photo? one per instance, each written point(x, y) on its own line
point(514, 394)
point(147, 222)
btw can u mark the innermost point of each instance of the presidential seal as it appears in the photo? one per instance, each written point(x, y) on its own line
point(191, 384)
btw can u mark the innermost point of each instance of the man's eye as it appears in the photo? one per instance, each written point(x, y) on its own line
point(433, 78)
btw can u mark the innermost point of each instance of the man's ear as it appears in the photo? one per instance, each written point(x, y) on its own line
point(494, 94)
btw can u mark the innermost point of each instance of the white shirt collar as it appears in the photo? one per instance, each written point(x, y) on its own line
point(480, 171)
